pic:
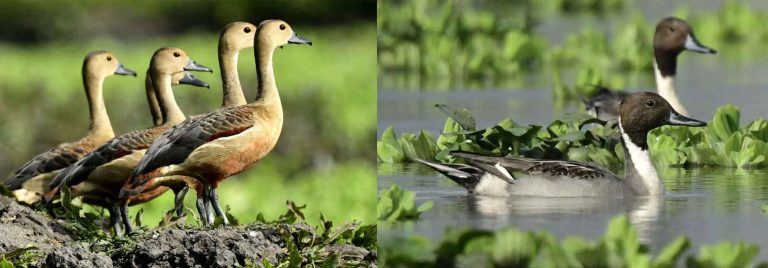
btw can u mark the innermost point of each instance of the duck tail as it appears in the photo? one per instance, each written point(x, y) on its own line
point(464, 175)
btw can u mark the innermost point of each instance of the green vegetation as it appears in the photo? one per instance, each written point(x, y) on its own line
point(509, 247)
point(722, 143)
point(396, 204)
point(322, 158)
point(445, 43)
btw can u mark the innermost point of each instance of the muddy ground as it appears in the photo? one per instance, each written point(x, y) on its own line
point(242, 245)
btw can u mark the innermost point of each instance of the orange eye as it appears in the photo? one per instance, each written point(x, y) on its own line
point(247, 30)
point(282, 27)
point(176, 54)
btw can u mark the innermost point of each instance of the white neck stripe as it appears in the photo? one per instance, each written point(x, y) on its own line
point(641, 160)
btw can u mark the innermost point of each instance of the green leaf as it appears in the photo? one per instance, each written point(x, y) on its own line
point(669, 255)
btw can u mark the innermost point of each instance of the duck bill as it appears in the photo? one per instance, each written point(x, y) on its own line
point(680, 120)
point(296, 39)
point(194, 66)
point(692, 44)
point(190, 79)
point(121, 70)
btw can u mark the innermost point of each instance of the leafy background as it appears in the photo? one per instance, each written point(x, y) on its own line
point(324, 158)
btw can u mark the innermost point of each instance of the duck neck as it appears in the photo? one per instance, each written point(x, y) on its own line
point(154, 107)
point(638, 168)
point(267, 92)
point(233, 92)
point(99, 119)
point(172, 114)
point(665, 71)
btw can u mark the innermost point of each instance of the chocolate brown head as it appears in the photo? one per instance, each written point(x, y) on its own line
point(672, 37)
point(643, 111)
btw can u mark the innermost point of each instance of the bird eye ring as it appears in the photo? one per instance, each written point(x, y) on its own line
point(650, 103)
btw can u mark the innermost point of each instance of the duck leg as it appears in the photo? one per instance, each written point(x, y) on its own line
point(208, 205)
point(179, 199)
point(114, 219)
point(126, 219)
point(214, 196)
point(201, 209)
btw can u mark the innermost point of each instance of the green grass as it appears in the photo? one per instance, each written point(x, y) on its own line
point(324, 156)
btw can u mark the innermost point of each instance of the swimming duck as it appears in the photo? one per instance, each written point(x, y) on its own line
point(498, 176)
point(225, 142)
point(99, 176)
point(31, 180)
point(672, 37)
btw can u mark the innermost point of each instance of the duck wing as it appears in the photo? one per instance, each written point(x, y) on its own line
point(115, 148)
point(174, 146)
point(576, 170)
point(57, 158)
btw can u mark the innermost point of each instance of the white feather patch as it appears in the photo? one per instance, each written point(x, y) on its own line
point(504, 172)
point(641, 159)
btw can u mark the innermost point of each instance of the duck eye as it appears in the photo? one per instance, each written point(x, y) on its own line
point(176, 54)
point(650, 103)
point(672, 29)
point(109, 58)
point(282, 27)
point(247, 30)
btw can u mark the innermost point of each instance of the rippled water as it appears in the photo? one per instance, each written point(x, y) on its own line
point(708, 206)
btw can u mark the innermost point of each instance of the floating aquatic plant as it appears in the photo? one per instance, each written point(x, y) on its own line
point(396, 204)
point(722, 143)
point(509, 247)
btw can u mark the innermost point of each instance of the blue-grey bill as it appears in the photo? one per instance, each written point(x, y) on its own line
point(190, 79)
point(681, 120)
point(194, 66)
point(121, 70)
point(692, 44)
point(296, 39)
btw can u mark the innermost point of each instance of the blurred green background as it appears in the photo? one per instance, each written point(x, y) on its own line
point(325, 156)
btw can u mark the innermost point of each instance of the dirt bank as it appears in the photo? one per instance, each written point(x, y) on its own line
point(242, 245)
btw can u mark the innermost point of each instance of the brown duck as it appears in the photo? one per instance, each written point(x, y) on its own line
point(222, 143)
point(31, 180)
point(99, 176)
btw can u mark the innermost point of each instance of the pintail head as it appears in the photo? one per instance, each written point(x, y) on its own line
point(643, 111)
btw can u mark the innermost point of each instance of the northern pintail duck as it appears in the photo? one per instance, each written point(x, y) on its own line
point(99, 176)
point(672, 37)
point(31, 180)
point(518, 176)
point(209, 149)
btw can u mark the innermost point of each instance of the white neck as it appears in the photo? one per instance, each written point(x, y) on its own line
point(666, 88)
point(643, 167)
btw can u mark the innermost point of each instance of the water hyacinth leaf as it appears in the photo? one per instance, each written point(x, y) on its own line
point(513, 248)
point(462, 116)
point(670, 253)
point(388, 149)
point(396, 204)
point(726, 121)
point(724, 254)
point(421, 146)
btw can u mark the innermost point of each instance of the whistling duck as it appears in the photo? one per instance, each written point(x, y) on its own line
point(234, 37)
point(672, 37)
point(31, 181)
point(100, 175)
point(222, 143)
point(639, 113)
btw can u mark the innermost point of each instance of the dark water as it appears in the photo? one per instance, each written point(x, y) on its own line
point(708, 206)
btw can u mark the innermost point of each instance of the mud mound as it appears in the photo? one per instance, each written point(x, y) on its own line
point(241, 245)
point(20, 226)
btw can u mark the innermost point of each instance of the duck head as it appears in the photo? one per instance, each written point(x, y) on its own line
point(236, 36)
point(672, 37)
point(101, 64)
point(643, 111)
point(276, 33)
point(177, 64)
